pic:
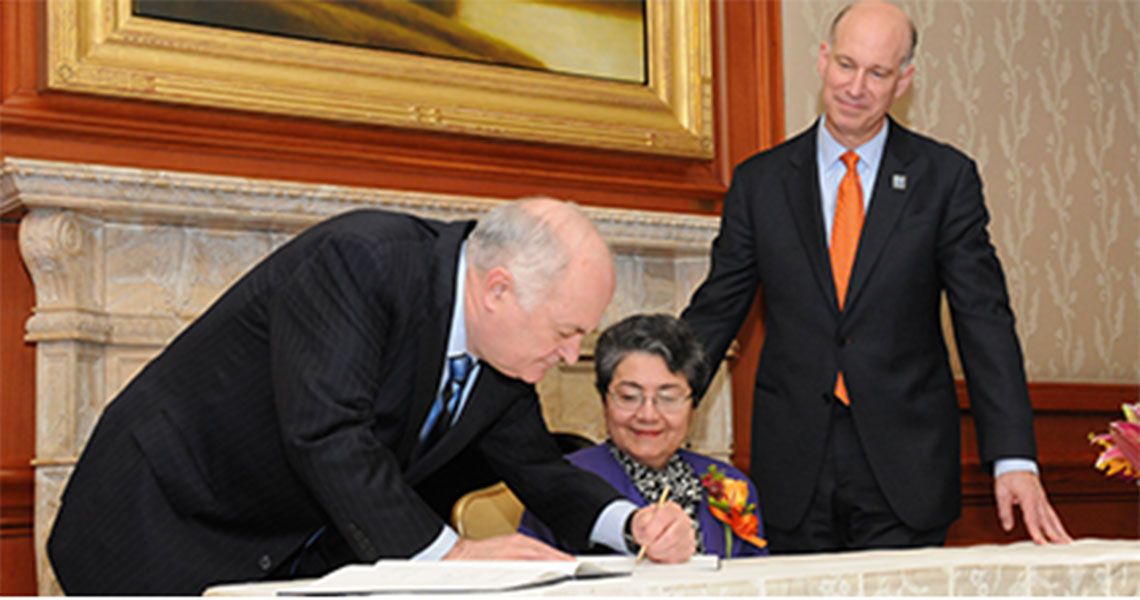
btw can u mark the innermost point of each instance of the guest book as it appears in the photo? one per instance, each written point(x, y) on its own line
point(475, 576)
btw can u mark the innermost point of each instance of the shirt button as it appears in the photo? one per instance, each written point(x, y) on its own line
point(265, 562)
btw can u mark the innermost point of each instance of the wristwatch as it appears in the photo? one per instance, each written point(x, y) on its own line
point(627, 535)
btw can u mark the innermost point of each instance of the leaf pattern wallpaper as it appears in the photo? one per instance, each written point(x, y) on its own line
point(1045, 96)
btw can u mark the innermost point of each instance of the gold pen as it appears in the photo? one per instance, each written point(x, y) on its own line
point(660, 503)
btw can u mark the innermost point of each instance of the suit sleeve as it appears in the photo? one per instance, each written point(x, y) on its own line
point(530, 526)
point(721, 303)
point(329, 326)
point(984, 325)
point(564, 497)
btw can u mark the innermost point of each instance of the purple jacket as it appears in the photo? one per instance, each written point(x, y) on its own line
point(598, 459)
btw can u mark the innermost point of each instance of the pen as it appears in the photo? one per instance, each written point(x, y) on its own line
point(660, 503)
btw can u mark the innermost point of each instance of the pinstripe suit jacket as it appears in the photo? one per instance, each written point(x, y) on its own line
point(924, 236)
point(293, 403)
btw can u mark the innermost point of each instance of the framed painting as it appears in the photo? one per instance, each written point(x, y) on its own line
point(642, 84)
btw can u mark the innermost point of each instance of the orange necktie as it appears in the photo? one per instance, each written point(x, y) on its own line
point(845, 240)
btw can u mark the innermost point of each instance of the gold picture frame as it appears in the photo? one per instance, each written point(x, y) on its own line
point(99, 47)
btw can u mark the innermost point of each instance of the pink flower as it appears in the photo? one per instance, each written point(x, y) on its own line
point(1121, 454)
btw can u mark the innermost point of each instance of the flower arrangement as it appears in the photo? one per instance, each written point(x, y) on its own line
point(728, 502)
point(1121, 445)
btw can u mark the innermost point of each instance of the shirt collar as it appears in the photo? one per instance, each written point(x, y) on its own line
point(457, 336)
point(829, 150)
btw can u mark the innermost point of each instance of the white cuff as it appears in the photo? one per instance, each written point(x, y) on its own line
point(440, 547)
point(609, 529)
point(1008, 465)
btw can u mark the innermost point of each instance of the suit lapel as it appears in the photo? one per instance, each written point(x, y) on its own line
point(801, 191)
point(898, 176)
point(480, 403)
point(433, 337)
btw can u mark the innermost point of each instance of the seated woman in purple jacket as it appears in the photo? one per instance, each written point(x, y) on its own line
point(651, 373)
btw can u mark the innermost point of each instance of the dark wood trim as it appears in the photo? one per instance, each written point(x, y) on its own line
point(17, 420)
point(17, 510)
point(1062, 397)
point(756, 103)
point(1090, 504)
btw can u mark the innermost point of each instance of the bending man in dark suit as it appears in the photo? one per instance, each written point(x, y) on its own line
point(875, 464)
point(286, 431)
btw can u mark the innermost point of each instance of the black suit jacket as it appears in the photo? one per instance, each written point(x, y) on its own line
point(292, 404)
point(924, 235)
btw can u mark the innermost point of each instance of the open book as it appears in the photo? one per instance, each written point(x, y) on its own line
point(457, 576)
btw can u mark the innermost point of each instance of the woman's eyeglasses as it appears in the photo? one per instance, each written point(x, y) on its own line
point(666, 402)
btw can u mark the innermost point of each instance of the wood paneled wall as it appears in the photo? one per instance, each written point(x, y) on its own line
point(1090, 504)
point(17, 424)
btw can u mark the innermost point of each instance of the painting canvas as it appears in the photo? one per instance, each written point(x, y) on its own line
point(628, 75)
point(593, 38)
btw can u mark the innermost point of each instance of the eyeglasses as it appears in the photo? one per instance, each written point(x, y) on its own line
point(631, 400)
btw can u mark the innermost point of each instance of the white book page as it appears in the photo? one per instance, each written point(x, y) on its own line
point(698, 562)
point(628, 564)
point(433, 577)
point(403, 576)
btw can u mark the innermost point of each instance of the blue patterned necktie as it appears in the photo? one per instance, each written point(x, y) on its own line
point(447, 403)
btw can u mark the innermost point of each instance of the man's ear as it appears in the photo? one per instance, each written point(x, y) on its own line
point(496, 287)
point(822, 58)
point(904, 80)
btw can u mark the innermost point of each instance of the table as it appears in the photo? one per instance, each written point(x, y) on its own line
point(1086, 567)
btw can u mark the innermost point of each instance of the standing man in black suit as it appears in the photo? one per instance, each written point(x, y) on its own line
point(854, 230)
point(331, 405)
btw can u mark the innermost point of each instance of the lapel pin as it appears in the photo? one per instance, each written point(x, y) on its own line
point(898, 182)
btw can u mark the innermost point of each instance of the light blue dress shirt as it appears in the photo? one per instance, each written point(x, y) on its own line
point(831, 169)
point(829, 165)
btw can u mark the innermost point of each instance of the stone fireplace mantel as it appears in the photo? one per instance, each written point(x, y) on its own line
point(122, 258)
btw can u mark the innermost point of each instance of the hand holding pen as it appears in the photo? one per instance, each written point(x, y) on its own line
point(664, 531)
point(660, 503)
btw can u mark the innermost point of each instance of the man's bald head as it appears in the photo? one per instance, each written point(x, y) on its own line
point(881, 9)
point(863, 68)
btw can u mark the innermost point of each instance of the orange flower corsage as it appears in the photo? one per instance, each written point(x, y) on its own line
point(728, 502)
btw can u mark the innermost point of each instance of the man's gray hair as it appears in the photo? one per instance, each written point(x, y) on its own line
point(513, 237)
point(907, 58)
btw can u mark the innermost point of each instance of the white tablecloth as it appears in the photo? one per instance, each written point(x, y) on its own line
point(1086, 567)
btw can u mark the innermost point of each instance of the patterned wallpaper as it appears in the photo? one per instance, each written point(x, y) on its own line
point(1045, 95)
